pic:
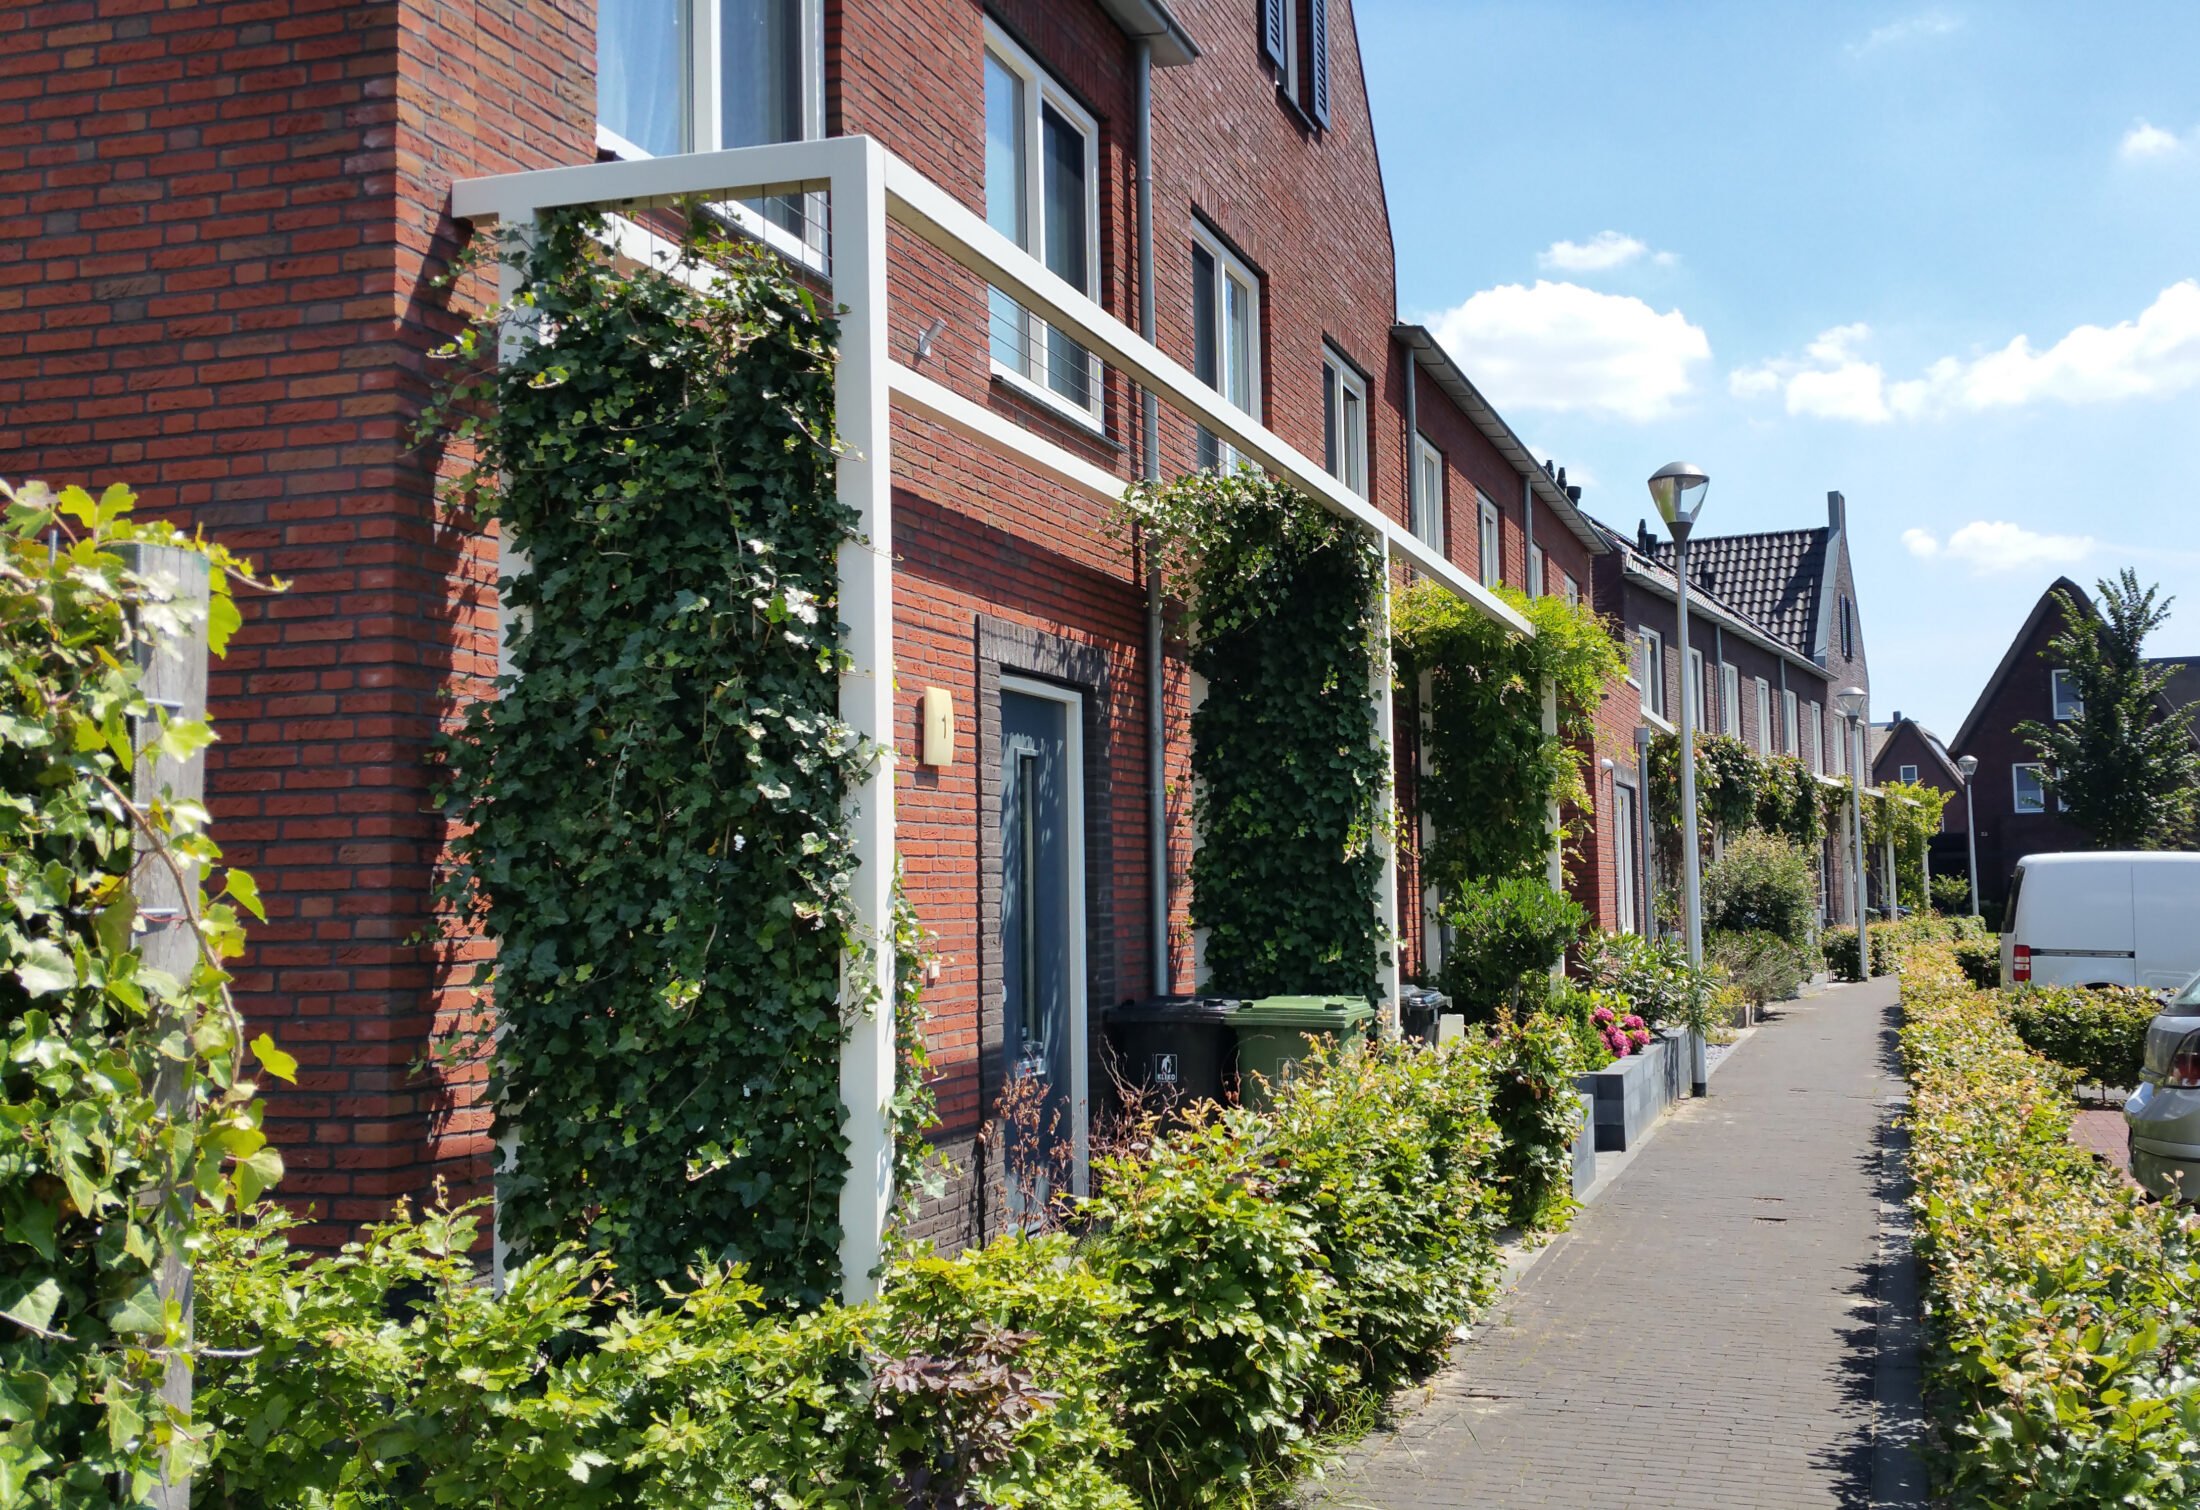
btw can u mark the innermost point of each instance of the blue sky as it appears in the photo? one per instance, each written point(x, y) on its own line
point(1942, 259)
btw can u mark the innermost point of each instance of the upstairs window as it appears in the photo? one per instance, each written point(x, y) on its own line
point(1695, 693)
point(1344, 423)
point(1225, 338)
point(1573, 590)
point(1791, 738)
point(1042, 191)
point(1814, 738)
point(1428, 502)
point(1650, 669)
point(1730, 700)
point(1906, 774)
point(1538, 583)
point(1848, 630)
point(1300, 58)
point(1492, 561)
point(2030, 793)
point(2064, 688)
point(1764, 716)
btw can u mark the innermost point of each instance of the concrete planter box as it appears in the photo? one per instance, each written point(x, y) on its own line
point(1585, 1145)
point(1634, 1092)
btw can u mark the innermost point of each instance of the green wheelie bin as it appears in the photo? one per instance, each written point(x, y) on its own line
point(1275, 1032)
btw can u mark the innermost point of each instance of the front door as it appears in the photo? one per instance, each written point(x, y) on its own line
point(1041, 945)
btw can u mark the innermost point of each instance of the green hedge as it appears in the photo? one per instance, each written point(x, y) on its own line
point(1244, 1282)
point(2061, 1338)
point(2098, 1035)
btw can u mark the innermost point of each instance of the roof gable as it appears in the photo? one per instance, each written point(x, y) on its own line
point(1775, 578)
point(2017, 643)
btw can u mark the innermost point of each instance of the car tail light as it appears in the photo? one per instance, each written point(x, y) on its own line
point(2184, 1064)
point(2020, 968)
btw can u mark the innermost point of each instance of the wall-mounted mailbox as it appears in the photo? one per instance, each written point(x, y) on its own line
point(939, 727)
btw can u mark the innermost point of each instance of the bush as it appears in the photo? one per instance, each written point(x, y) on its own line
point(1589, 1015)
point(1842, 960)
point(1538, 1116)
point(1980, 962)
point(1952, 895)
point(1760, 884)
point(1501, 933)
point(2061, 1344)
point(2098, 1035)
point(1654, 978)
point(1762, 966)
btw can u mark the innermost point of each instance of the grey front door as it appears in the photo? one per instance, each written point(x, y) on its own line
point(1037, 947)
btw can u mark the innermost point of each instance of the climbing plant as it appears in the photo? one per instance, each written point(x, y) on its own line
point(127, 1100)
point(648, 819)
point(1288, 763)
point(1907, 812)
point(1496, 771)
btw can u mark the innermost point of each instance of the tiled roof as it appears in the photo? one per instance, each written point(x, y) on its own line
point(1774, 578)
point(1635, 560)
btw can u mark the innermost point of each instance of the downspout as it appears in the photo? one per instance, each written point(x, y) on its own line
point(1527, 529)
point(1157, 771)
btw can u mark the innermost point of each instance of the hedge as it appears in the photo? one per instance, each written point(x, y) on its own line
point(2061, 1341)
point(2098, 1035)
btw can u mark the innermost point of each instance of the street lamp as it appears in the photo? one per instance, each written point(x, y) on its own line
point(1968, 765)
point(1678, 490)
point(1851, 701)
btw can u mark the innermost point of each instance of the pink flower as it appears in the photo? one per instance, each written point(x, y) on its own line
point(1639, 1039)
point(1616, 1041)
point(1602, 1017)
point(1633, 1022)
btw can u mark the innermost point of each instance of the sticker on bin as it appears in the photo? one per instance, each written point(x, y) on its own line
point(1164, 1069)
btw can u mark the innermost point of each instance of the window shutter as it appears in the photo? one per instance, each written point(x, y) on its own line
point(1318, 47)
point(1271, 30)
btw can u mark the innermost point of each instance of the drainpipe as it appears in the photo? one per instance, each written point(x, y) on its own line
point(1527, 529)
point(1157, 770)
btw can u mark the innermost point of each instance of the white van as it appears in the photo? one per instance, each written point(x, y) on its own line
point(2114, 919)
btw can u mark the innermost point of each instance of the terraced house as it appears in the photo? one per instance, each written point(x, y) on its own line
point(1078, 242)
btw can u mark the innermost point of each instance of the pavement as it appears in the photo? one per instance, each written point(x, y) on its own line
point(1731, 1322)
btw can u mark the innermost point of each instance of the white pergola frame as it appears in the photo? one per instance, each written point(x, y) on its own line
point(867, 188)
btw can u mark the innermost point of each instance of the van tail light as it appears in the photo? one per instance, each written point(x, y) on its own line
point(2020, 966)
point(2184, 1064)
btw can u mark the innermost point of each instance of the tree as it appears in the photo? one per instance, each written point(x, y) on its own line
point(2124, 769)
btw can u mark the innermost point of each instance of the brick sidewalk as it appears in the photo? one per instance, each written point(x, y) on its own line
point(1705, 1333)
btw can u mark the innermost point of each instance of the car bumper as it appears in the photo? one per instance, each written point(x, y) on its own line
point(2164, 1128)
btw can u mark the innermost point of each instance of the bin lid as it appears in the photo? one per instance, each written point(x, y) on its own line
point(1214, 1010)
point(1306, 1013)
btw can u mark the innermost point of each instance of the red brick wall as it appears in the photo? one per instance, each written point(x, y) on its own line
point(220, 223)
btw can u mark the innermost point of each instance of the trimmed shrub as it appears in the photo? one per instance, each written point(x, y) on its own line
point(1762, 966)
point(1503, 932)
point(1980, 962)
point(1952, 895)
point(1654, 978)
point(1760, 884)
point(2099, 1035)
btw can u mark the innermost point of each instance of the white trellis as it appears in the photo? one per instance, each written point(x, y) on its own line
point(864, 188)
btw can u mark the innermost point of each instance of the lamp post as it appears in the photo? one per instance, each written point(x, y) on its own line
point(1678, 490)
point(1851, 701)
point(1968, 765)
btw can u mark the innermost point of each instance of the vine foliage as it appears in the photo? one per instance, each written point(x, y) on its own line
point(1285, 751)
point(650, 815)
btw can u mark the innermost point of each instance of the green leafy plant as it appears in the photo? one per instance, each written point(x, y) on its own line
point(127, 1095)
point(1761, 884)
point(1288, 762)
point(1497, 774)
point(1843, 961)
point(1533, 1062)
point(1652, 976)
point(1952, 895)
point(2099, 1035)
point(1502, 932)
point(1908, 813)
point(1761, 965)
point(667, 754)
point(1980, 962)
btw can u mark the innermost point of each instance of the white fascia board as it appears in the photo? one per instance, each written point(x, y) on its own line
point(997, 432)
point(941, 220)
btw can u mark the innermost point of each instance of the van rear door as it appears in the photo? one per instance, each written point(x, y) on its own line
point(2077, 920)
point(2165, 917)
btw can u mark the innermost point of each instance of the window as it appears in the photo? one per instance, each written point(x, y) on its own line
point(1042, 191)
point(1492, 563)
point(1225, 337)
point(1837, 748)
point(697, 75)
point(1428, 504)
point(1538, 583)
point(1623, 854)
point(1730, 700)
point(1906, 774)
point(2064, 689)
point(1696, 691)
point(1573, 590)
point(1764, 716)
point(1650, 669)
point(1344, 423)
point(1814, 737)
point(1791, 742)
point(1848, 630)
point(1301, 62)
point(2031, 795)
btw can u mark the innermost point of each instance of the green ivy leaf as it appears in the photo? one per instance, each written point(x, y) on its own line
point(31, 1302)
point(45, 969)
point(239, 884)
point(277, 1063)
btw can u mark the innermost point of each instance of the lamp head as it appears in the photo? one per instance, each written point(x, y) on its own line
point(1968, 765)
point(1851, 701)
point(1678, 490)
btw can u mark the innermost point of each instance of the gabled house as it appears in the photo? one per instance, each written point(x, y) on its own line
point(1905, 750)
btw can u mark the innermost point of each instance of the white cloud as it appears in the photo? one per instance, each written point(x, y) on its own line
point(1994, 545)
point(2144, 141)
point(1606, 249)
point(1931, 23)
point(2153, 356)
point(1563, 347)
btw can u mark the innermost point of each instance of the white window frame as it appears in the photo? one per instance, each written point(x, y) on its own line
point(1764, 716)
point(1814, 737)
point(1042, 93)
point(703, 126)
point(1429, 523)
point(1344, 413)
point(1538, 571)
point(1790, 729)
point(1906, 774)
point(1230, 267)
point(1573, 589)
point(1491, 544)
point(1650, 668)
point(1730, 699)
point(2067, 708)
point(2016, 787)
point(1695, 691)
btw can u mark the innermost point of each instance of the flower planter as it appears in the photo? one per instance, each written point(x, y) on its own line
point(1632, 1093)
point(1585, 1146)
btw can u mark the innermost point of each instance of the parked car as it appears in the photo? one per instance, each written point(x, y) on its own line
point(2116, 919)
point(2162, 1114)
